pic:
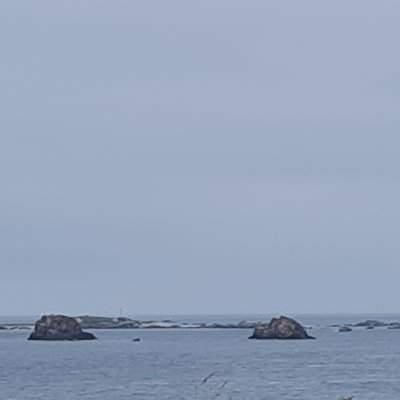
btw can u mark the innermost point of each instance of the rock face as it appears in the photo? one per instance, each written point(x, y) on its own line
point(59, 327)
point(280, 328)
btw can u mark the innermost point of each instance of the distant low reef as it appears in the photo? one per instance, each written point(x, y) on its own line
point(100, 322)
point(369, 324)
point(92, 322)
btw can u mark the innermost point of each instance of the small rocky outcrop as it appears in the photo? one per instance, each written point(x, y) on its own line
point(59, 327)
point(370, 324)
point(280, 328)
point(345, 328)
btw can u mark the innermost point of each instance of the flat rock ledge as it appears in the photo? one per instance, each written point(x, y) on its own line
point(59, 327)
point(282, 328)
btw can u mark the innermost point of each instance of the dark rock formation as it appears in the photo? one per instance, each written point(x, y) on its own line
point(280, 328)
point(345, 329)
point(59, 327)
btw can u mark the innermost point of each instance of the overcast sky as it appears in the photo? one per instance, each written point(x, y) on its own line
point(214, 156)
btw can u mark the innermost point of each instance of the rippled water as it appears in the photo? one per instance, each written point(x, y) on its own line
point(171, 364)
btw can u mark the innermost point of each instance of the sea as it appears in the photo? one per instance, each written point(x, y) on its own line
point(205, 364)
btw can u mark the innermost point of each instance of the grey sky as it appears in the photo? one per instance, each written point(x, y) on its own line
point(199, 156)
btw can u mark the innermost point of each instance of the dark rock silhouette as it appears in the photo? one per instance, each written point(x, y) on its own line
point(280, 328)
point(345, 329)
point(59, 327)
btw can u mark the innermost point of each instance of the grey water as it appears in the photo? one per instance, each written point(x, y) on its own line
point(173, 364)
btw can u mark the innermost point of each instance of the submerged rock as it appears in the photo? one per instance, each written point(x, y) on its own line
point(280, 328)
point(59, 327)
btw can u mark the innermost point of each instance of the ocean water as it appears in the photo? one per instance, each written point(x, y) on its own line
point(173, 364)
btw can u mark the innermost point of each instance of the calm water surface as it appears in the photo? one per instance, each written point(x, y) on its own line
point(171, 364)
